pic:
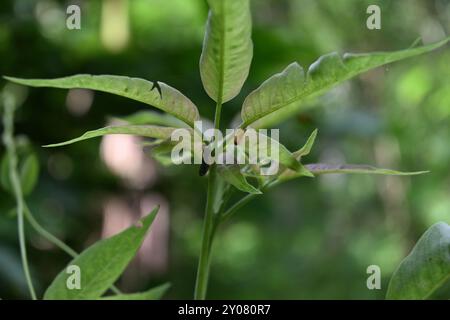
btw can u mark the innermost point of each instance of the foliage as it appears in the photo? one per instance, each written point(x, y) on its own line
point(224, 66)
point(426, 269)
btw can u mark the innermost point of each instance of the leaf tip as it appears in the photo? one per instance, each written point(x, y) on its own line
point(54, 145)
point(413, 173)
point(14, 79)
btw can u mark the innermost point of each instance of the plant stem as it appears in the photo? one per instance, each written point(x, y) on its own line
point(8, 140)
point(235, 207)
point(50, 237)
point(53, 239)
point(243, 201)
point(209, 225)
point(201, 284)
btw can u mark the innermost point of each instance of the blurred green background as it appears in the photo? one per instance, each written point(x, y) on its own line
point(307, 239)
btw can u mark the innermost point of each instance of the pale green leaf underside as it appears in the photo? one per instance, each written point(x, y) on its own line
point(227, 49)
point(426, 268)
point(282, 95)
point(101, 264)
point(306, 149)
point(319, 168)
point(232, 174)
point(156, 132)
point(156, 94)
point(152, 118)
point(263, 146)
point(152, 294)
point(285, 157)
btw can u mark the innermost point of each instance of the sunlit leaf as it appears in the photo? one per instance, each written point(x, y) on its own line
point(101, 264)
point(283, 94)
point(232, 174)
point(156, 94)
point(156, 132)
point(227, 49)
point(426, 269)
point(152, 294)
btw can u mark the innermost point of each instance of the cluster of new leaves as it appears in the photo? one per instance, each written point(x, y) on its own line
point(224, 67)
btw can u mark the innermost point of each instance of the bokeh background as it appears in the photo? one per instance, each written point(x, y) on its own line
point(307, 239)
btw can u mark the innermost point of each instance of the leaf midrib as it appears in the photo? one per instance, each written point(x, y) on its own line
point(221, 53)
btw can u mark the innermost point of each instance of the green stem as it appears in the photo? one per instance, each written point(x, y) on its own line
point(50, 237)
point(8, 139)
point(209, 225)
point(201, 284)
point(235, 207)
point(243, 201)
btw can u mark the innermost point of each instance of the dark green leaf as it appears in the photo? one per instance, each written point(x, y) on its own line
point(426, 268)
point(4, 173)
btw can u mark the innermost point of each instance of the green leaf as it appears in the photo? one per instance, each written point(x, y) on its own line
point(288, 174)
point(29, 173)
point(4, 173)
point(164, 160)
point(306, 149)
point(283, 94)
point(101, 264)
point(227, 49)
point(426, 269)
point(275, 93)
point(156, 94)
point(163, 153)
point(233, 175)
point(28, 169)
point(320, 168)
point(152, 294)
point(264, 147)
point(152, 118)
point(156, 132)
